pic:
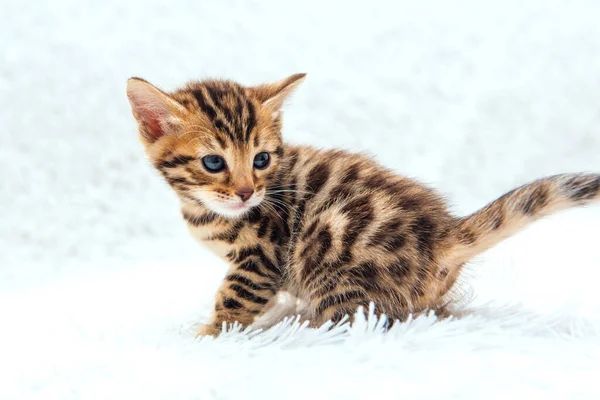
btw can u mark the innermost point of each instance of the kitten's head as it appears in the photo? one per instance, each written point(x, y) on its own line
point(217, 143)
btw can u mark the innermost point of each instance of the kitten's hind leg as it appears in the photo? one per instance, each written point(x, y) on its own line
point(335, 307)
point(283, 305)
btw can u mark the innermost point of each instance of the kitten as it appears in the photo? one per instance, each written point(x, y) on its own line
point(334, 229)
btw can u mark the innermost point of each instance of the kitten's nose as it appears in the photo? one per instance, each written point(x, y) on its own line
point(245, 193)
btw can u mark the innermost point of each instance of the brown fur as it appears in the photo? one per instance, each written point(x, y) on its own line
point(334, 228)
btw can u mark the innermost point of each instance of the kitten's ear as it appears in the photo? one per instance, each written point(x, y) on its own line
point(155, 111)
point(272, 95)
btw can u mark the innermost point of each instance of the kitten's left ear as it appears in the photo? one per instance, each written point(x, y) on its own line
point(272, 95)
point(156, 112)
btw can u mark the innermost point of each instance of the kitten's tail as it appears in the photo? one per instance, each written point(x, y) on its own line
point(515, 210)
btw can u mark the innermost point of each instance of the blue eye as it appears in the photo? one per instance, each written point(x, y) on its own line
point(261, 160)
point(213, 163)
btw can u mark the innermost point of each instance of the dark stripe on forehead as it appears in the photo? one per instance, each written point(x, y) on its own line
point(239, 114)
point(218, 98)
point(222, 142)
point(214, 93)
point(210, 106)
point(204, 106)
point(250, 120)
point(223, 127)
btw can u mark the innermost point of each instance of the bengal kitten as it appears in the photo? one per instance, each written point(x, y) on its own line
point(333, 228)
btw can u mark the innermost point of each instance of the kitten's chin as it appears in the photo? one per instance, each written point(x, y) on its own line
point(229, 210)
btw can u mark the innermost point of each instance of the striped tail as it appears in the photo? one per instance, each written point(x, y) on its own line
point(502, 218)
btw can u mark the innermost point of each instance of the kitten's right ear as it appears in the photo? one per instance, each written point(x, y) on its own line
point(272, 95)
point(155, 111)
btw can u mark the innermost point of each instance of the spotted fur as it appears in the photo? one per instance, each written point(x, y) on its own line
point(333, 228)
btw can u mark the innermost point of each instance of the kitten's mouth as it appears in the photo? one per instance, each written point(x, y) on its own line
point(233, 210)
point(238, 206)
point(228, 208)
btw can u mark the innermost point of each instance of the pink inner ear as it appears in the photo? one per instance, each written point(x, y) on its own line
point(149, 118)
point(151, 126)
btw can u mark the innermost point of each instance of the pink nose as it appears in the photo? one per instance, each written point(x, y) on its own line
point(245, 193)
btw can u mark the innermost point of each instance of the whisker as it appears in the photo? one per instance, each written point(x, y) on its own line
point(200, 129)
point(280, 206)
point(193, 131)
point(193, 140)
point(285, 185)
point(271, 202)
point(271, 208)
point(288, 191)
point(275, 200)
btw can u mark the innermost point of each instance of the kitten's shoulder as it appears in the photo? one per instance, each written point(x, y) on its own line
point(339, 157)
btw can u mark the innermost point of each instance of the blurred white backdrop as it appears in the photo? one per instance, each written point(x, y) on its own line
point(471, 97)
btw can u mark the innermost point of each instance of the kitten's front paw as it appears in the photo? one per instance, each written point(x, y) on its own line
point(207, 330)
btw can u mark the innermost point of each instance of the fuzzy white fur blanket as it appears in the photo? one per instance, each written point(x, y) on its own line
point(528, 325)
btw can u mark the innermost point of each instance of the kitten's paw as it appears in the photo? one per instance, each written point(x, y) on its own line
point(207, 330)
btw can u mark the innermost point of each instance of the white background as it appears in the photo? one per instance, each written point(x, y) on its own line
point(472, 98)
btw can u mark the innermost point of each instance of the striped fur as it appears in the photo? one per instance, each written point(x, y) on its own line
point(335, 229)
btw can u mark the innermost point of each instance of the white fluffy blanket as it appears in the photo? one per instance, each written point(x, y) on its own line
point(532, 327)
